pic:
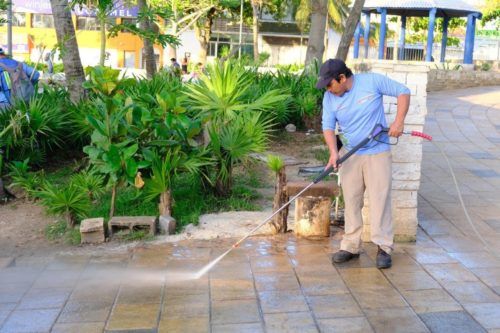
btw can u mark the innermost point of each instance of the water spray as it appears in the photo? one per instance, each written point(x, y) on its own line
point(377, 130)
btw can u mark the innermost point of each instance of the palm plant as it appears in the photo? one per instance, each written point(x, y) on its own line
point(232, 145)
point(67, 201)
point(222, 94)
point(163, 170)
point(21, 177)
point(89, 182)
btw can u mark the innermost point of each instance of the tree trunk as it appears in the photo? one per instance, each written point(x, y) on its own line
point(102, 56)
point(280, 198)
point(113, 199)
point(223, 185)
point(350, 26)
point(255, 28)
point(316, 43)
point(203, 34)
point(66, 38)
point(165, 205)
point(70, 220)
point(149, 52)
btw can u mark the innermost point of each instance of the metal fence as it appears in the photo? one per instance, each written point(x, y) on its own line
point(484, 49)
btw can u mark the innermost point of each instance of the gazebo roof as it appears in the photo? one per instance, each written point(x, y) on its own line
point(451, 8)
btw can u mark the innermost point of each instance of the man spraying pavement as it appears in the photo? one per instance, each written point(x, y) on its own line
point(355, 103)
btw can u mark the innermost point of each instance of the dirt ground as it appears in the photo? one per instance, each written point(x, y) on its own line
point(22, 223)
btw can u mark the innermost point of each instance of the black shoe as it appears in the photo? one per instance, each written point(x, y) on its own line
point(343, 256)
point(383, 259)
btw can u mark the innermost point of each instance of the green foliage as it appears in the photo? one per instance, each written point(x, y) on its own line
point(69, 201)
point(491, 13)
point(418, 27)
point(322, 155)
point(222, 94)
point(29, 182)
point(60, 230)
point(337, 13)
point(164, 169)
point(275, 163)
point(90, 182)
point(448, 66)
point(485, 66)
point(31, 130)
point(488, 33)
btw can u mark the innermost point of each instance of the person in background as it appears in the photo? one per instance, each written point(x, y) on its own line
point(184, 66)
point(175, 65)
point(17, 80)
point(48, 62)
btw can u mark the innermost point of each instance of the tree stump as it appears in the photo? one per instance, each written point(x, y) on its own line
point(312, 216)
point(280, 198)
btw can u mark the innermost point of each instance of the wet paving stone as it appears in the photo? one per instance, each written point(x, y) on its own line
point(290, 322)
point(345, 325)
point(451, 322)
point(472, 292)
point(78, 328)
point(487, 314)
point(80, 312)
point(240, 328)
point(235, 311)
point(44, 298)
point(445, 273)
point(20, 321)
point(181, 325)
point(333, 306)
point(187, 306)
point(129, 317)
point(282, 301)
point(431, 300)
point(268, 281)
point(412, 280)
point(401, 319)
point(222, 289)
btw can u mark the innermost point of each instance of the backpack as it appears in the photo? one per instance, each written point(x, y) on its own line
point(18, 82)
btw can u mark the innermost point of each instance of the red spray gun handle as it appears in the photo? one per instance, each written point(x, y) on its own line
point(420, 134)
point(414, 133)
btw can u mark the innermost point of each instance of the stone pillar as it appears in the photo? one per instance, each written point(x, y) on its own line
point(444, 39)
point(366, 37)
point(430, 34)
point(407, 154)
point(381, 40)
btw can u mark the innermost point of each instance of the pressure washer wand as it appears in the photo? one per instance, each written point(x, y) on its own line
point(377, 130)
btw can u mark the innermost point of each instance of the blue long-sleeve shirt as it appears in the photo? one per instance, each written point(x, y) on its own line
point(4, 88)
point(358, 110)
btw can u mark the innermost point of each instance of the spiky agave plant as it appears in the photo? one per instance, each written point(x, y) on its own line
point(221, 95)
point(232, 145)
point(164, 168)
point(70, 202)
point(89, 182)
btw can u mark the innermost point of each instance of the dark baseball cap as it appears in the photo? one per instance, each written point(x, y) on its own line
point(331, 69)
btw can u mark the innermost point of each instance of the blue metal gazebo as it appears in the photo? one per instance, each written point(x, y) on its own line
point(419, 8)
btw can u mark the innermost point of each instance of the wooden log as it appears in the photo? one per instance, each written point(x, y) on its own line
point(312, 216)
point(280, 198)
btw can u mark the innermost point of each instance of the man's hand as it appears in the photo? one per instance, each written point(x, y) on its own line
point(396, 129)
point(334, 156)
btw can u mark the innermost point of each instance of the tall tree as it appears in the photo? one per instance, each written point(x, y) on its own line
point(315, 14)
point(350, 26)
point(149, 52)
point(68, 46)
point(316, 42)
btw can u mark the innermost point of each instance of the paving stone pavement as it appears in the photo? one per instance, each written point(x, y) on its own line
point(445, 282)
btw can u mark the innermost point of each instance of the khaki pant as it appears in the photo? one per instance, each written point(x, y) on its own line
point(372, 173)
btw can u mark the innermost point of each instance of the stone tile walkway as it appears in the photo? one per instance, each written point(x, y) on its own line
point(445, 282)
